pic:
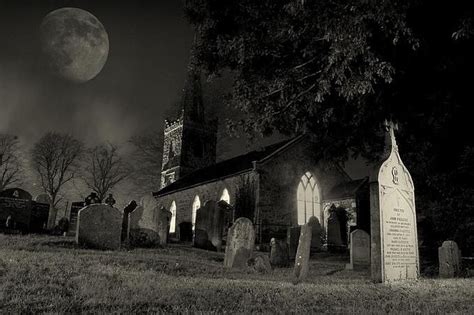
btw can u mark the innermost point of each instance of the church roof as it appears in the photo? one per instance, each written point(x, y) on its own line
point(346, 189)
point(224, 168)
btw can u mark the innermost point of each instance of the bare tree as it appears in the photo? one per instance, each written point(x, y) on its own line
point(147, 156)
point(11, 170)
point(55, 158)
point(104, 169)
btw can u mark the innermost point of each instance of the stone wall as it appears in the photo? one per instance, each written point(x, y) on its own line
point(278, 183)
point(208, 191)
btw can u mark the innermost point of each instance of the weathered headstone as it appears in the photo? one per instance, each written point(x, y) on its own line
point(143, 223)
point(217, 227)
point(164, 218)
point(125, 224)
point(359, 250)
point(99, 226)
point(240, 244)
point(316, 230)
point(185, 230)
point(203, 225)
point(293, 237)
point(301, 268)
point(394, 240)
point(334, 238)
point(449, 257)
point(279, 253)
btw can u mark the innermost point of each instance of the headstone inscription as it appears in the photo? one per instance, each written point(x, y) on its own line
point(359, 250)
point(449, 257)
point(394, 243)
point(301, 268)
point(99, 226)
point(240, 244)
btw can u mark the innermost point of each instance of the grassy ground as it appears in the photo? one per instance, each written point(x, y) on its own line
point(50, 274)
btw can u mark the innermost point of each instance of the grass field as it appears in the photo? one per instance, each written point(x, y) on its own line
point(50, 274)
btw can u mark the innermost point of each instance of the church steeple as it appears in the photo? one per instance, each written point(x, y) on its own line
point(190, 140)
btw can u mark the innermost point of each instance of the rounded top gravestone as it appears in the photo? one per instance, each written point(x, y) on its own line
point(240, 244)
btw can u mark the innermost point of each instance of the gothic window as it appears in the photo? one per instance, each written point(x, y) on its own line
point(173, 217)
point(225, 196)
point(309, 203)
point(196, 205)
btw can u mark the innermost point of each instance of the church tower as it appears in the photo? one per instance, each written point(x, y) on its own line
point(189, 140)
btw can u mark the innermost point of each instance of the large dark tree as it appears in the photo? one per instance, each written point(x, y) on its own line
point(336, 69)
point(11, 162)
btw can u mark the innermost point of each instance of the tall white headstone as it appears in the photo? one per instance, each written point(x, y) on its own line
point(394, 241)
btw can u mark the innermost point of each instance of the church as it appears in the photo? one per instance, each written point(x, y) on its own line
point(277, 187)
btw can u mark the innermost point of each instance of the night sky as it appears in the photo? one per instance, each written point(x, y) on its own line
point(139, 84)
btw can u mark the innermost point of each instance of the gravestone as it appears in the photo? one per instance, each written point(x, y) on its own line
point(301, 268)
point(240, 244)
point(316, 231)
point(394, 241)
point(279, 253)
point(164, 218)
point(449, 257)
point(359, 250)
point(185, 230)
point(293, 237)
point(99, 226)
point(334, 238)
point(203, 225)
point(132, 205)
point(143, 223)
point(216, 232)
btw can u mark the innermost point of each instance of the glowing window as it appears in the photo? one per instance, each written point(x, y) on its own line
point(196, 205)
point(309, 203)
point(225, 196)
point(173, 217)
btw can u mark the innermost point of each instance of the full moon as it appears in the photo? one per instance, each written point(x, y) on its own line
point(75, 44)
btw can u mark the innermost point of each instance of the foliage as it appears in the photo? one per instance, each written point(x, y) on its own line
point(55, 159)
point(11, 166)
point(336, 69)
point(104, 168)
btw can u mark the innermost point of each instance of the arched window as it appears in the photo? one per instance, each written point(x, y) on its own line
point(173, 217)
point(225, 196)
point(309, 203)
point(196, 205)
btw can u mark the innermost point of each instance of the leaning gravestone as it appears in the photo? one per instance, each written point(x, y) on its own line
point(279, 253)
point(99, 226)
point(394, 242)
point(143, 223)
point(316, 231)
point(359, 250)
point(293, 237)
point(449, 260)
point(240, 244)
point(302, 254)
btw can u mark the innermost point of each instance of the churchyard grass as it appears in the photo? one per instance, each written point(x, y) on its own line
point(51, 274)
